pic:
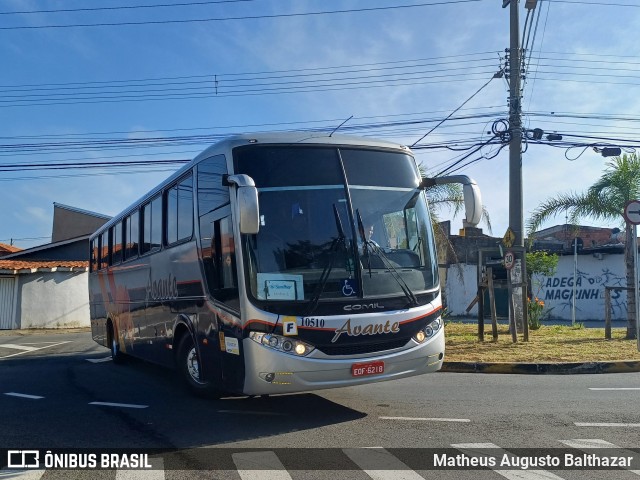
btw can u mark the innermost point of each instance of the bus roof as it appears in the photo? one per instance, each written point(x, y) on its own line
point(279, 138)
point(296, 138)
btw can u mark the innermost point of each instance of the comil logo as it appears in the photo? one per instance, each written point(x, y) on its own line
point(23, 459)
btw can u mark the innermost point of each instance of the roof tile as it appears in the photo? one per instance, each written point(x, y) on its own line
point(5, 249)
point(16, 265)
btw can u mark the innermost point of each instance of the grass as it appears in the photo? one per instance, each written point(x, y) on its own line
point(550, 343)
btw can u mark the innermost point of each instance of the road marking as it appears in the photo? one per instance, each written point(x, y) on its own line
point(24, 349)
point(423, 419)
point(479, 450)
point(122, 405)
point(582, 443)
point(156, 474)
point(249, 462)
point(387, 467)
point(603, 389)
point(19, 347)
point(23, 395)
point(98, 360)
point(586, 444)
point(603, 424)
point(22, 474)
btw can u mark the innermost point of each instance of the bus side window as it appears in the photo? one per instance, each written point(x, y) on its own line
point(179, 212)
point(116, 243)
point(131, 235)
point(94, 255)
point(152, 225)
point(103, 259)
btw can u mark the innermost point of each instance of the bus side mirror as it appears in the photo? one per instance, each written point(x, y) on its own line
point(249, 210)
point(470, 192)
point(472, 202)
point(247, 197)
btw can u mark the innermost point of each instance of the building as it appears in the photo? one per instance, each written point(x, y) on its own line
point(8, 249)
point(561, 237)
point(47, 286)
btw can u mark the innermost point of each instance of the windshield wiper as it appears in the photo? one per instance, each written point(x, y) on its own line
point(395, 274)
point(326, 272)
point(370, 244)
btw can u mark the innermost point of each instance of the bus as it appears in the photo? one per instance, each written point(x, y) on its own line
point(277, 263)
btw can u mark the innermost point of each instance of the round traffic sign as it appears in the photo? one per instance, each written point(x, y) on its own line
point(509, 259)
point(632, 212)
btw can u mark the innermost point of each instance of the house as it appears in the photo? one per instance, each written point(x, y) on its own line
point(47, 286)
point(8, 249)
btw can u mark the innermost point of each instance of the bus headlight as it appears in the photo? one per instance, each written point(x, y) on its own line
point(428, 331)
point(289, 345)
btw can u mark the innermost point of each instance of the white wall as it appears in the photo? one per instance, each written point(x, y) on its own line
point(557, 291)
point(53, 300)
point(461, 289)
point(592, 276)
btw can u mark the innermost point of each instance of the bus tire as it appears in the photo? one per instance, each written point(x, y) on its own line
point(188, 362)
point(114, 347)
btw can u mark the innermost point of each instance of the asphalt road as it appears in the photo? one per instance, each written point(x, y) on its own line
point(62, 391)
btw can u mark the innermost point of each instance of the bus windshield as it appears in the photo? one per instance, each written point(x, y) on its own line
point(336, 224)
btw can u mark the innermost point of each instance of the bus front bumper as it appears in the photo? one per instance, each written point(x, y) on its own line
point(268, 371)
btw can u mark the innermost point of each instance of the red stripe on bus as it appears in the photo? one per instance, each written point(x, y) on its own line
point(263, 322)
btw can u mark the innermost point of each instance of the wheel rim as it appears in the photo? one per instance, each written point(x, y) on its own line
point(193, 365)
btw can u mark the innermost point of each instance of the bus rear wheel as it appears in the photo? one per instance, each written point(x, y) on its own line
point(190, 370)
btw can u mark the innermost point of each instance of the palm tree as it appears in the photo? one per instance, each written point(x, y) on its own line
point(604, 200)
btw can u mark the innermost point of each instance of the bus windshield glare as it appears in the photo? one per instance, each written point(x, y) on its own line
point(336, 224)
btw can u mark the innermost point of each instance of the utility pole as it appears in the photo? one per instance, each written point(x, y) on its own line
point(515, 128)
point(518, 275)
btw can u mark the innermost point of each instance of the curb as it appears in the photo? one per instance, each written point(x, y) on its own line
point(630, 366)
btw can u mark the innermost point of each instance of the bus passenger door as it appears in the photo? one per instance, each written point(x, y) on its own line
point(218, 253)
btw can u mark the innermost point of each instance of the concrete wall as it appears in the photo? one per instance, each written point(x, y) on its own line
point(461, 288)
point(593, 274)
point(53, 300)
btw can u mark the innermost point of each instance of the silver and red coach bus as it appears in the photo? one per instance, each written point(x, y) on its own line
point(277, 263)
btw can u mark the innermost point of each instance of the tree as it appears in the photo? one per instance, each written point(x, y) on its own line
point(604, 200)
point(541, 263)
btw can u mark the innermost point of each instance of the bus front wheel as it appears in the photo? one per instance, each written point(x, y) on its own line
point(189, 367)
point(116, 355)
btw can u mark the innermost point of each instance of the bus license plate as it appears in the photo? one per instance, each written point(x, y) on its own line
point(362, 369)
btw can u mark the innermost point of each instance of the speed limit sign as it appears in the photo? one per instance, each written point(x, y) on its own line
point(509, 260)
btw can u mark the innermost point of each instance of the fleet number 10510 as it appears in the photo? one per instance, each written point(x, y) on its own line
point(313, 322)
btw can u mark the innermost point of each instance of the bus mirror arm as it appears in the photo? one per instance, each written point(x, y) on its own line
point(247, 198)
point(470, 192)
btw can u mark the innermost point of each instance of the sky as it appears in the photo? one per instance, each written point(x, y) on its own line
point(156, 81)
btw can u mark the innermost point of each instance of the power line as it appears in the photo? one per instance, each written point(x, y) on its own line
point(606, 4)
point(124, 7)
point(245, 93)
point(458, 108)
point(237, 18)
point(300, 71)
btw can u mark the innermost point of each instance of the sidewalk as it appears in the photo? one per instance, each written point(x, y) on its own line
point(570, 368)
